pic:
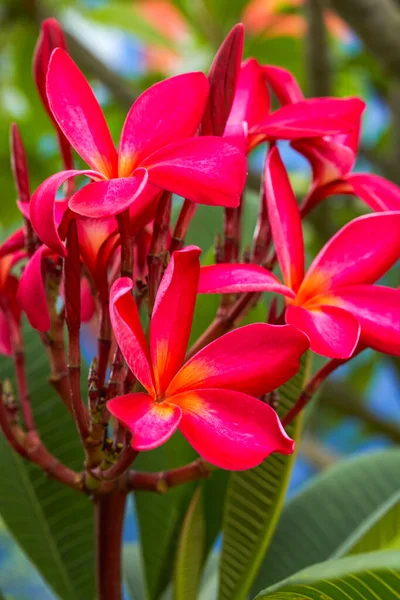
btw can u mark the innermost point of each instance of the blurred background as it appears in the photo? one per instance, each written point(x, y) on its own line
point(123, 47)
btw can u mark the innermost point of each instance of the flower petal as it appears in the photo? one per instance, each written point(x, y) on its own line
point(31, 293)
point(128, 331)
point(205, 169)
point(5, 335)
point(235, 278)
point(231, 430)
point(377, 309)
point(14, 242)
point(377, 192)
point(79, 115)
point(168, 111)
point(88, 306)
point(332, 332)
point(172, 317)
point(110, 197)
point(223, 77)
point(361, 252)
point(251, 103)
point(329, 161)
point(283, 84)
point(92, 234)
point(285, 220)
point(254, 359)
point(42, 208)
point(151, 423)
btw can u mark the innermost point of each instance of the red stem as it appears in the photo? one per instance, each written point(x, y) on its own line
point(109, 521)
point(182, 225)
point(158, 247)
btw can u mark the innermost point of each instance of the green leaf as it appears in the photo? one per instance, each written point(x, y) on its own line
point(316, 522)
point(160, 516)
point(253, 503)
point(133, 571)
point(51, 523)
point(380, 531)
point(364, 577)
point(190, 552)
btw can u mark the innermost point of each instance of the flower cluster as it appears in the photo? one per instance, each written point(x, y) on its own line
point(105, 252)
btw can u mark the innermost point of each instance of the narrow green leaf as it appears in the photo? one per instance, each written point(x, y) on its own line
point(253, 503)
point(315, 523)
point(380, 531)
point(133, 571)
point(190, 552)
point(373, 576)
point(52, 524)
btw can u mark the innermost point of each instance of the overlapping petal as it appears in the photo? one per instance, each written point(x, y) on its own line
point(360, 253)
point(79, 115)
point(42, 208)
point(377, 309)
point(251, 103)
point(172, 317)
point(168, 111)
point(285, 220)
point(129, 333)
point(205, 169)
point(230, 429)
point(108, 197)
point(377, 192)
point(235, 278)
point(151, 423)
point(332, 331)
point(329, 161)
point(254, 359)
point(283, 84)
point(92, 234)
point(31, 294)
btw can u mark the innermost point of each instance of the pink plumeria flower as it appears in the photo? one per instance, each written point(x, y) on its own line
point(301, 119)
point(333, 303)
point(211, 398)
point(332, 157)
point(156, 146)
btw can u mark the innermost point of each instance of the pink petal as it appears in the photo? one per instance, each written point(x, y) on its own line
point(172, 317)
point(231, 430)
point(329, 161)
point(361, 252)
point(205, 169)
point(128, 331)
point(108, 197)
point(88, 306)
point(92, 234)
point(143, 208)
point(283, 84)
point(79, 115)
point(151, 423)
point(235, 278)
point(254, 359)
point(310, 118)
point(42, 209)
point(168, 111)
point(31, 294)
point(5, 335)
point(16, 241)
point(377, 192)
point(377, 309)
point(332, 332)
point(285, 220)
point(236, 134)
point(252, 102)
point(223, 77)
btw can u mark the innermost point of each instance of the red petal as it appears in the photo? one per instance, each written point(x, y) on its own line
point(377, 309)
point(31, 294)
point(204, 169)
point(110, 197)
point(254, 359)
point(283, 84)
point(88, 306)
point(92, 234)
point(5, 335)
point(172, 317)
point(168, 111)
point(285, 220)
point(16, 241)
point(19, 165)
point(332, 332)
point(231, 430)
point(151, 423)
point(223, 77)
point(329, 161)
point(129, 333)
point(252, 102)
point(228, 278)
point(377, 192)
point(79, 115)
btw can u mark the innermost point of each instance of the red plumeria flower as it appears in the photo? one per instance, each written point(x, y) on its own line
point(302, 119)
point(155, 147)
point(332, 157)
point(334, 303)
point(211, 398)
